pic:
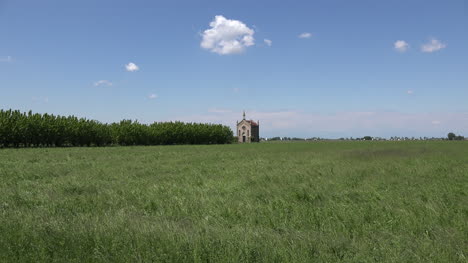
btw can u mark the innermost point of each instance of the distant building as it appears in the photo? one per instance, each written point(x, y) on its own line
point(248, 131)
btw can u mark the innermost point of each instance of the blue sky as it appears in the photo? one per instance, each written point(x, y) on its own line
point(303, 68)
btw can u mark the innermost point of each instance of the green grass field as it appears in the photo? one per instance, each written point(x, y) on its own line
point(268, 202)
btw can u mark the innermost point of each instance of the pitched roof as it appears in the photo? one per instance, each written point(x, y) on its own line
point(252, 123)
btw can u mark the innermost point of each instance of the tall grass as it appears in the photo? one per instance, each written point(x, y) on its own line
point(297, 202)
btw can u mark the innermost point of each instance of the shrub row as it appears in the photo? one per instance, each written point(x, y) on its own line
point(19, 129)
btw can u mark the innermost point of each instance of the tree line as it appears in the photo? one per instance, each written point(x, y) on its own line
point(21, 129)
point(453, 137)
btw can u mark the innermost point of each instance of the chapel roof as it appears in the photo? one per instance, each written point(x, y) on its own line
point(252, 123)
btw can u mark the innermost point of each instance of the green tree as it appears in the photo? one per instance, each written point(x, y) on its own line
point(451, 136)
point(19, 129)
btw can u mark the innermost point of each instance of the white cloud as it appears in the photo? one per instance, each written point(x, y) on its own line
point(131, 67)
point(227, 36)
point(401, 46)
point(305, 35)
point(268, 42)
point(152, 96)
point(432, 46)
point(435, 122)
point(409, 92)
point(103, 82)
point(6, 59)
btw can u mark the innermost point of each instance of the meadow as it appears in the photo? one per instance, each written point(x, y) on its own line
point(327, 201)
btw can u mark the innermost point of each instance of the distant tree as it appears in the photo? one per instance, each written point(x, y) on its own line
point(367, 138)
point(297, 139)
point(451, 136)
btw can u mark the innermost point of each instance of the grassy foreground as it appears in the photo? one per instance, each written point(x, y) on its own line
point(270, 202)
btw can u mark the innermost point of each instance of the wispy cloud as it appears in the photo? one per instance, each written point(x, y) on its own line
point(305, 35)
point(353, 123)
point(131, 67)
point(152, 96)
point(102, 82)
point(6, 59)
point(409, 92)
point(40, 99)
point(433, 45)
point(401, 46)
point(227, 36)
point(268, 42)
point(218, 110)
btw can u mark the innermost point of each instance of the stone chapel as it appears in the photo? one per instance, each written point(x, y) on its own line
point(248, 131)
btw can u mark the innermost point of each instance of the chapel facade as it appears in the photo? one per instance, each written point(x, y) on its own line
point(248, 131)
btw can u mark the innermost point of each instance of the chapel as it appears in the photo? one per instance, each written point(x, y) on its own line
point(248, 131)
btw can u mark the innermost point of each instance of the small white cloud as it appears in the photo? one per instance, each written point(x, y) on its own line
point(401, 46)
point(435, 122)
point(409, 92)
point(235, 90)
point(152, 96)
point(6, 59)
point(103, 82)
point(131, 67)
point(227, 36)
point(40, 99)
point(305, 35)
point(268, 42)
point(432, 46)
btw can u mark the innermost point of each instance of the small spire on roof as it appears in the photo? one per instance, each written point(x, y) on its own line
point(244, 114)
